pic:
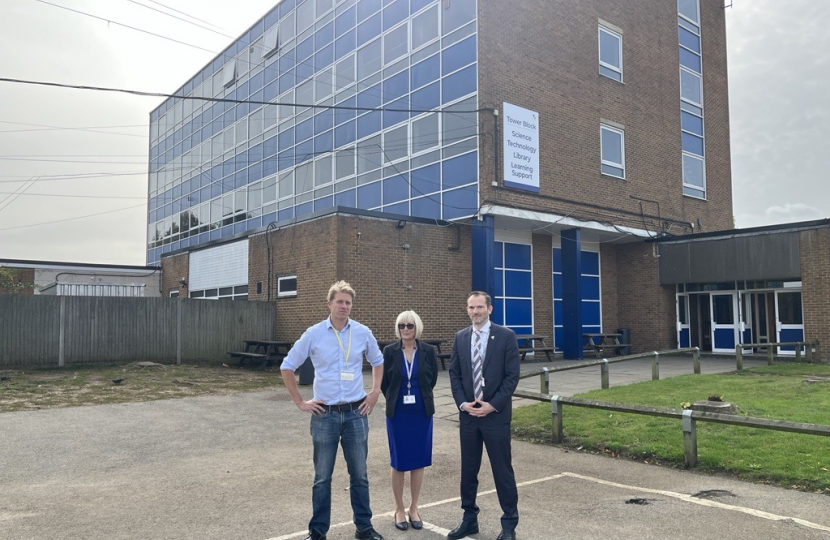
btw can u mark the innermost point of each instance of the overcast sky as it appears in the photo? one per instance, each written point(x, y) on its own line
point(778, 80)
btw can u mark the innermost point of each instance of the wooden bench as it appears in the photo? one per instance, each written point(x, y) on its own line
point(600, 343)
point(269, 352)
point(244, 355)
point(534, 343)
point(443, 358)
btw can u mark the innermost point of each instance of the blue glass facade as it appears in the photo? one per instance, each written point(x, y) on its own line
point(513, 287)
point(221, 168)
point(591, 298)
point(691, 98)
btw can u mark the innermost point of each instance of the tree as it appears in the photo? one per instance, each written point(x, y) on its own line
point(11, 283)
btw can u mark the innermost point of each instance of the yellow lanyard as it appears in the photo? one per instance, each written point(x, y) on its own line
point(348, 351)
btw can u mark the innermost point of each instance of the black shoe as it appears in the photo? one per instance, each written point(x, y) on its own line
point(314, 535)
point(465, 529)
point(506, 535)
point(417, 524)
point(368, 534)
point(401, 525)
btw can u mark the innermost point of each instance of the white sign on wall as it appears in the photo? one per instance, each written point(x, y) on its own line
point(521, 148)
point(220, 266)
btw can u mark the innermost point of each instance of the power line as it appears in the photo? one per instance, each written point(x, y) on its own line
point(71, 196)
point(237, 101)
point(71, 219)
point(125, 26)
point(185, 14)
point(179, 18)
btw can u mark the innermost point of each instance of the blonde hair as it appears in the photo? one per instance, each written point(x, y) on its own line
point(409, 317)
point(340, 286)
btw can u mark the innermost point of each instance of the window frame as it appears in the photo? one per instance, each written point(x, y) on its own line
point(287, 293)
point(603, 161)
point(602, 64)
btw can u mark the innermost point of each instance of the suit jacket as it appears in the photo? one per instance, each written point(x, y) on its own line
point(500, 370)
point(393, 375)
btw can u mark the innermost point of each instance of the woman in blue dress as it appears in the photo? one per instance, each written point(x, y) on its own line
point(409, 375)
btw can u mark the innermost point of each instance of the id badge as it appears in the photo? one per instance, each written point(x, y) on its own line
point(409, 400)
point(346, 376)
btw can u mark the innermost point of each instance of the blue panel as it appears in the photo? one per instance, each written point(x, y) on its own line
point(255, 172)
point(427, 98)
point(240, 179)
point(684, 338)
point(287, 81)
point(268, 218)
point(690, 60)
point(304, 50)
point(255, 153)
point(558, 338)
point(324, 36)
point(395, 13)
point(304, 71)
point(346, 198)
point(285, 160)
point(305, 130)
point(426, 179)
point(498, 283)
point(688, 39)
point(323, 120)
point(400, 208)
point(396, 86)
point(345, 44)
point(791, 334)
point(518, 312)
point(368, 124)
point(324, 143)
point(369, 196)
point(324, 57)
point(395, 189)
point(346, 114)
point(345, 134)
point(304, 151)
point(459, 55)
point(390, 118)
point(517, 284)
point(483, 245)
point(366, 8)
point(286, 6)
point(590, 314)
point(272, 145)
point(368, 30)
point(272, 165)
point(460, 202)
point(215, 190)
point(557, 311)
point(286, 139)
point(571, 294)
point(322, 204)
point(425, 72)
point(692, 143)
point(691, 122)
point(497, 316)
point(303, 209)
point(288, 213)
point(557, 260)
point(459, 84)
point(517, 256)
point(498, 255)
point(345, 21)
point(590, 262)
point(416, 5)
point(724, 338)
point(427, 207)
point(370, 98)
point(460, 170)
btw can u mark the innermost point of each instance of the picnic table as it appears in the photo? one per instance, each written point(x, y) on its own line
point(269, 351)
point(534, 343)
point(600, 342)
point(442, 357)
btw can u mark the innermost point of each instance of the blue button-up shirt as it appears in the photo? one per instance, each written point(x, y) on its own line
point(329, 358)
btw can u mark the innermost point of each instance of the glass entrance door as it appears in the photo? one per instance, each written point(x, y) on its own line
point(683, 326)
point(724, 330)
point(789, 319)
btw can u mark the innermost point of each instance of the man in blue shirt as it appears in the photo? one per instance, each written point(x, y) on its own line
point(339, 408)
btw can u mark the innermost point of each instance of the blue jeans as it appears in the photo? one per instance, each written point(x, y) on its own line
point(351, 431)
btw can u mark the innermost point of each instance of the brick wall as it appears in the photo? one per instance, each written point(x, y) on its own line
point(544, 57)
point(21, 275)
point(815, 287)
point(645, 307)
point(172, 270)
point(432, 276)
point(543, 285)
point(608, 287)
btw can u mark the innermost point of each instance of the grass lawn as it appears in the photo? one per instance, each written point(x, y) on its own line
point(778, 392)
point(93, 384)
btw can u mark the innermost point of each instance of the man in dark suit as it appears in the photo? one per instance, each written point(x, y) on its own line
point(484, 372)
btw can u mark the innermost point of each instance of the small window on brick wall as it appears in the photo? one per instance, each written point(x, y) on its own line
point(287, 286)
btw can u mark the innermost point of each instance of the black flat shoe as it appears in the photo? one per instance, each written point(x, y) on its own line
point(402, 525)
point(417, 524)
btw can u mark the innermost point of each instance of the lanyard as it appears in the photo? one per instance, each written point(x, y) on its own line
point(409, 366)
point(346, 352)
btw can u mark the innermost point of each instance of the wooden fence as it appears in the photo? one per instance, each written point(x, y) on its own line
point(64, 330)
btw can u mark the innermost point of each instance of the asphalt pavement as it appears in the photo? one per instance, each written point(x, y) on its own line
point(239, 467)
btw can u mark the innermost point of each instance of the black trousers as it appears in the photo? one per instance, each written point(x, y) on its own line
point(495, 436)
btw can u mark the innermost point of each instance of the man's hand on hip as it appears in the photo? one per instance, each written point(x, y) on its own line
point(311, 406)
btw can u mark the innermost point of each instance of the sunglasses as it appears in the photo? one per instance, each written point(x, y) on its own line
point(408, 326)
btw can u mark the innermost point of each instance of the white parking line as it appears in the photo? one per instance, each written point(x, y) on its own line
point(705, 502)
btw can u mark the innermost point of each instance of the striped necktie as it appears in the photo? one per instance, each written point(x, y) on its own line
point(478, 380)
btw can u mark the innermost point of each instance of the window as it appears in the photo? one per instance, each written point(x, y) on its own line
point(229, 74)
point(612, 141)
point(610, 54)
point(694, 176)
point(286, 286)
point(270, 42)
point(174, 294)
